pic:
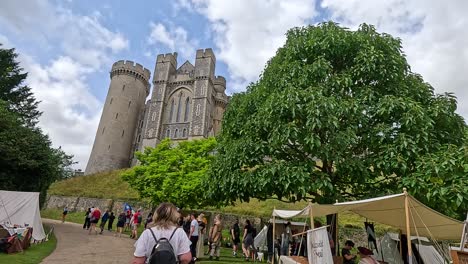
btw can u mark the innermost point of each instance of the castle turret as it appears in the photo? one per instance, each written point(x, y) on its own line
point(125, 100)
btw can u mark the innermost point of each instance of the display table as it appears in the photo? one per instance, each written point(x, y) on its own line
point(293, 260)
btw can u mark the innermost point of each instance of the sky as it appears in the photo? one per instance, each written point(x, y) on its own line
point(68, 47)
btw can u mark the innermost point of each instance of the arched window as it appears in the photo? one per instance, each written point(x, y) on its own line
point(175, 133)
point(184, 133)
point(179, 106)
point(123, 133)
point(168, 133)
point(172, 111)
point(187, 109)
point(112, 99)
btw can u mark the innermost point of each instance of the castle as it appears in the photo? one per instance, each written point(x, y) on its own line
point(186, 103)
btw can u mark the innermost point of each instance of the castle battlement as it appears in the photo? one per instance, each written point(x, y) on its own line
point(219, 83)
point(127, 66)
point(168, 57)
point(205, 53)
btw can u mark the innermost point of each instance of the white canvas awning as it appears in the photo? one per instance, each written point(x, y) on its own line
point(22, 208)
point(390, 210)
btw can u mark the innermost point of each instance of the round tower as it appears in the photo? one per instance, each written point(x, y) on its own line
point(221, 100)
point(128, 90)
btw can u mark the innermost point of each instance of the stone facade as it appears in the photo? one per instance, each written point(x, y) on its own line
point(186, 103)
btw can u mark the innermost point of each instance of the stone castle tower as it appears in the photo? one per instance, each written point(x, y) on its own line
point(186, 103)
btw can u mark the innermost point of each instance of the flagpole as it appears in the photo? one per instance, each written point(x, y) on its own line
point(408, 230)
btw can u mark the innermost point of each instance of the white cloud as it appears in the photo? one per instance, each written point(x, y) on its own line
point(248, 33)
point(174, 37)
point(81, 46)
point(433, 35)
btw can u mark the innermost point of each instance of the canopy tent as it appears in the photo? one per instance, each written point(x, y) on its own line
point(22, 208)
point(390, 210)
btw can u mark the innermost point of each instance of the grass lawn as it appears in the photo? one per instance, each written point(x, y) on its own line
point(32, 255)
point(226, 257)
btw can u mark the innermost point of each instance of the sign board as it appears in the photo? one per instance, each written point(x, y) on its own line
point(318, 246)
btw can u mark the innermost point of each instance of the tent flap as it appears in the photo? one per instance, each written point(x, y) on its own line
point(22, 208)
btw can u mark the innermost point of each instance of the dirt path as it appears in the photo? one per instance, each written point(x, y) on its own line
point(74, 245)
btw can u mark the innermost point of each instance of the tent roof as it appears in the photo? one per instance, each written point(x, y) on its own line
point(390, 210)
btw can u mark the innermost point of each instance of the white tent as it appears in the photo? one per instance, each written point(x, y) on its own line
point(22, 208)
point(391, 210)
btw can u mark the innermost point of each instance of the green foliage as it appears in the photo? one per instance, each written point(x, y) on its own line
point(107, 185)
point(33, 255)
point(441, 180)
point(27, 160)
point(173, 172)
point(336, 114)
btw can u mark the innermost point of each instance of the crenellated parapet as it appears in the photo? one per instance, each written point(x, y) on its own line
point(168, 57)
point(205, 53)
point(133, 69)
point(219, 84)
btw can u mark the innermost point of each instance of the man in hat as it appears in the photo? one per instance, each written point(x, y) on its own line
point(366, 256)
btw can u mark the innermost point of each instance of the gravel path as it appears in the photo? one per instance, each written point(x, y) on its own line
point(74, 245)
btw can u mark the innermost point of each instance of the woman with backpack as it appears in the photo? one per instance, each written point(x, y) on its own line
point(163, 242)
point(120, 223)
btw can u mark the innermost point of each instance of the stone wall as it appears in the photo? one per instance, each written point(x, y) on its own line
point(81, 204)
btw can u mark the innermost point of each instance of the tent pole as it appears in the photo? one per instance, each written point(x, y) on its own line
point(464, 236)
point(311, 216)
point(274, 238)
point(408, 231)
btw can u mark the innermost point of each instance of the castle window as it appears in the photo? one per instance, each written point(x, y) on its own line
point(172, 111)
point(103, 129)
point(184, 133)
point(168, 133)
point(141, 124)
point(123, 88)
point(112, 99)
point(129, 104)
point(116, 115)
point(108, 147)
point(179, 106)
point(123, 133)
point(139, 138)
point(176, 132)
point(153, 116)
point(187, 109)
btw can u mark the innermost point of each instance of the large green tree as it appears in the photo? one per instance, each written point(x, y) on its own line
point(28, 162)
point(173, 172)
point(336, 114)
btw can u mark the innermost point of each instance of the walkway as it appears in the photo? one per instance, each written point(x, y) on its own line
point(74, 245)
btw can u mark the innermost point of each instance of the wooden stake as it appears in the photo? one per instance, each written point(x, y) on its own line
point(408, 230)
point(311, 216)
point(464, 236)
point(274, 238)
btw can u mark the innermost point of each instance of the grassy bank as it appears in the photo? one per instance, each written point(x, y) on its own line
point(34, 254)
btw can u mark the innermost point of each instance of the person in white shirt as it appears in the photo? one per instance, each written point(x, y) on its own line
point(193, 236)
point(164, 222)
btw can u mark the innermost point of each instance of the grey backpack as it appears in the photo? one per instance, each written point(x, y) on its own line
point(162, 252)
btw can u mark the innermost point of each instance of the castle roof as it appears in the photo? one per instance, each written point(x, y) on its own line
point(186, 68)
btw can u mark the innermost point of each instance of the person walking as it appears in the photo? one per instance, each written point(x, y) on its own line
point(111, 221)
point(64, 214)
point(87, 222)
point(193, 236)
point(149, 219)
point(104, 219)
point(95, 216)
point(120, 223)
point(215, 238)
point(235, 237)
point(136, 219)
point(247, 239)
point(164, 226)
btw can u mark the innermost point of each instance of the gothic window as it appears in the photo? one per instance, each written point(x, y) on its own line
point(184, 133)
point(112, 99)
point(108, 147)
point(123, 88)
point(129, 104)
point(116, 115)
point(172, 111)
point(123, 133)
point(179, 106)
point(187, 109)
point(168, 133)
point(153, 116)
point(139, 138)
point(175, 133)
point(141, 124)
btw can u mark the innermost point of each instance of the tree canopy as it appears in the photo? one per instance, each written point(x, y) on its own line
point(173, 172)
point(336, 114)
point(28, 161)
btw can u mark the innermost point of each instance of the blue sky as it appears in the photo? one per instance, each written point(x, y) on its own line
point(68, 47)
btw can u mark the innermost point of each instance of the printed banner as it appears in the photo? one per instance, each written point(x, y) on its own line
point(318, 246)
